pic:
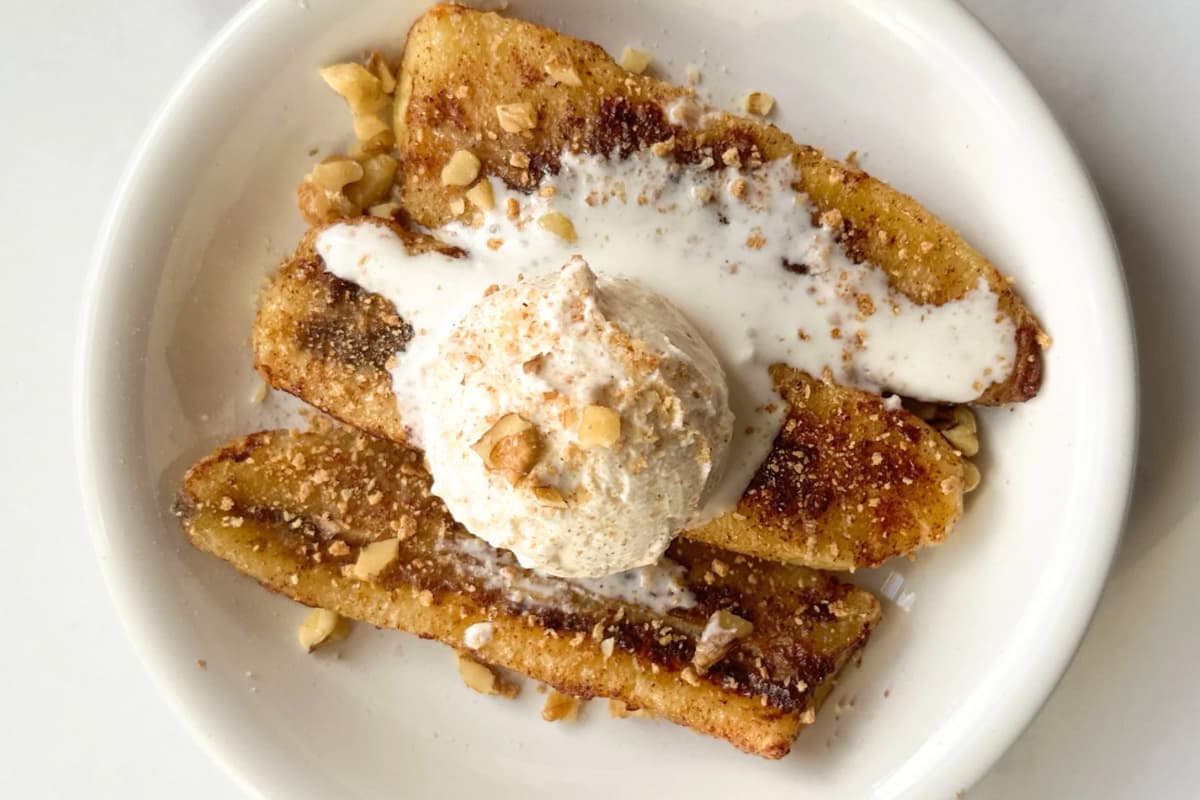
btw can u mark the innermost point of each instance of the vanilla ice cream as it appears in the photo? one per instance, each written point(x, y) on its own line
point(579, 422)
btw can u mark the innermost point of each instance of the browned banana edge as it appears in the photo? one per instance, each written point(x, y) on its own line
point(295, 510)
point(460, 64)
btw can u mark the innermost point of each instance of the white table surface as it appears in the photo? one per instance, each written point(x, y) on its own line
point(78, 716)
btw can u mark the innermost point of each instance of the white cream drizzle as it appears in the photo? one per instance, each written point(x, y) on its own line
point(719, 258)
point(658, 587)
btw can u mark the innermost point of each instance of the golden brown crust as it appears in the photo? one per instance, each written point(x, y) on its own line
point(328, 342)
point(819, 499)
point(848, 483)
point(459, 64)
point(294, 510)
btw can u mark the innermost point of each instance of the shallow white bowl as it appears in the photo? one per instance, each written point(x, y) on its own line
point(978, 632)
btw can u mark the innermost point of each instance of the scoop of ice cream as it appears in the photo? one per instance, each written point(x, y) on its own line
point(577, 421)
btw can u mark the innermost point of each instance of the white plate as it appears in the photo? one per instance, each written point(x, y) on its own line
point(992, 618)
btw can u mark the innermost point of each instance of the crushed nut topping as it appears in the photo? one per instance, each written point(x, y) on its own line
point(483, 678)
point(362, 91)
point(759, 103)
point(461, 170)
point(516, 117)
point(549, 496)
point(560, 707)
point(481, 195)
point(559, 224)
point(375, 557)
point(599, 426)
point(635, 60)
point(561, 70)
point(511, 447)
point(720, 634)
point(318, 626)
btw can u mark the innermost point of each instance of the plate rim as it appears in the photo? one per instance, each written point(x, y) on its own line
point(942, 21)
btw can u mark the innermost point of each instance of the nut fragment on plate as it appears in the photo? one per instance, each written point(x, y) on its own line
point(559, 224)
point(461, 170)
point(599, 426)
point(378, 173)
point(318, 626)
point(561, 707)
point(362, 91)
point(511, 447)
point(562, 70)
point(373, 134)
point(483, 678)
point(377, 65)
point(336, 172)
point(635, 60)
point(375, 557)
point(516, 117)
point(971, 476)
point(722, 631)
point(759, 103)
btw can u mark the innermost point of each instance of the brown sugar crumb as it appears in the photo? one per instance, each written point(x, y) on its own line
point(833, 220)
point(339, 548)
point(866, 306)
point(1044, 341)
point(513, 208)
point(738, 188)
point(731, 157)
point(756, 240)
point(425, 598)
point(495, 243)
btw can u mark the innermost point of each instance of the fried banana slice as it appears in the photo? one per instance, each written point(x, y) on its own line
point(462, 69)
point(849, 483)
point(329, 342)
point(344, 521)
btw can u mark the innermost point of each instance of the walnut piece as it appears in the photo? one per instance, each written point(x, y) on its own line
point(561, 707)
point(549, 496)
point(511, 447)
point(461, 170)
point(759, 103)
point(481, 195)
point(362, 91)
point(599, 426)
point(378, 174)
point(336, 172)
point(559, 224)
point(561, 70)
point(483, 678)
point(516, 117)
point(318, 626)
point(720, 634)
point(635, 60)
point(373, 558)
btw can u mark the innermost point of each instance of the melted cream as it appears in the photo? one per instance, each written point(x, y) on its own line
point(715, 244)
point(658, 587)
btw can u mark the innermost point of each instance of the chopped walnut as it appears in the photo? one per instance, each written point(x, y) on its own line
point(483, 678)
point(378, 174)
point(599, 426)
point(375, 557)
point(559, 224)
point(461, 170)
point(511, 447)
point(759, 103)
point(481, 195)
point(516, 117)
point(362, 91)
point(318, 626)
point(720, 634)
point(518, 160)
point(560, 69)
point(335, 173)
point(549, 496)
point(560, 707)
point(635, 60)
